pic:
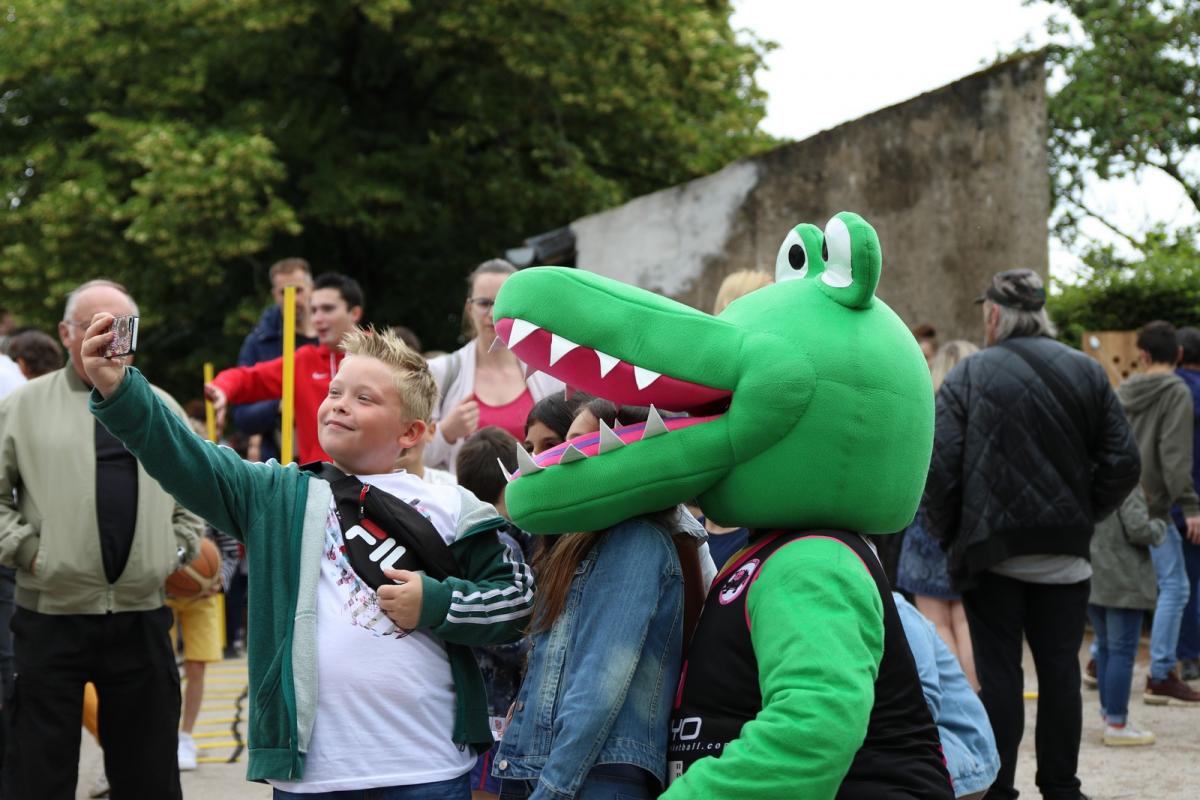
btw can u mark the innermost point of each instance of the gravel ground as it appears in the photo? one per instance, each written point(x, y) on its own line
point(1168, 770)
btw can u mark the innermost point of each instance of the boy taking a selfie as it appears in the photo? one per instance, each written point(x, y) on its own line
point(368, 587)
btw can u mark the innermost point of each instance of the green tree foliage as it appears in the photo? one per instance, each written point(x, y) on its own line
point(181, 145)
point(1115, 295)
point(1130, 101)
point(1127, 102)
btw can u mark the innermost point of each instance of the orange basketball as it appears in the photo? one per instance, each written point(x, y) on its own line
point(199, 576)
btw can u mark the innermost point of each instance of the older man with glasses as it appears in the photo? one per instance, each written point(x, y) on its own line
point(92, 539)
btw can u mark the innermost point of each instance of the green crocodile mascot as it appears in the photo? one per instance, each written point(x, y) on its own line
point(804, 411)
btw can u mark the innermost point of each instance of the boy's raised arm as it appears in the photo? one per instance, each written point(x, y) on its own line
point(211, 481)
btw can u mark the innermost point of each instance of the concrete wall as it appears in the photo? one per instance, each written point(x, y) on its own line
point(955, 181)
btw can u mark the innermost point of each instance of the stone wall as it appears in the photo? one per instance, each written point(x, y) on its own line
point(955, 181)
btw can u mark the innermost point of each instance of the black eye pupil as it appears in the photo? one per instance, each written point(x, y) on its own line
point(797, 257)
point(824, 250)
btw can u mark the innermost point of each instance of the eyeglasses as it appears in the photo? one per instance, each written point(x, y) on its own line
point(70, 323)
point(482, 303)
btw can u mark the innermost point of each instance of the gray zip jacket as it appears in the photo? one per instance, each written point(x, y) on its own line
point(1159, 408)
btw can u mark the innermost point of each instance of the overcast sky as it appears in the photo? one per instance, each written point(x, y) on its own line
point(837, 61)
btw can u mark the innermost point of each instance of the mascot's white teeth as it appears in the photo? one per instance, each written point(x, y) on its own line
point(571, 454)
point(508, 476)
point(525, 462)
point(607, 363)
point(644, 377)
point(654, 424)
point(609, 441)
point(560, 345)
point(520, 329)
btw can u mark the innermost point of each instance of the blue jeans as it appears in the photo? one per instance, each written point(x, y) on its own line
point(1172, 598)
point(454, 789)
point(1189, 629)
point(1117, 634)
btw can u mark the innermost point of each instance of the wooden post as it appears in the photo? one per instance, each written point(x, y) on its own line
point(1115, 350)
point(287, 404)
point(210, 417)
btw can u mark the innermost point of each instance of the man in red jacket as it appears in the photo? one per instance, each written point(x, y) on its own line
point(337, 307)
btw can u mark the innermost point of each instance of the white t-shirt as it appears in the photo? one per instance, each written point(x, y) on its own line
point(440, 477)
point(385, 697)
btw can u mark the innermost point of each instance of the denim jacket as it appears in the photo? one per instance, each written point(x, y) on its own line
point(966, 732)
point(601, 681)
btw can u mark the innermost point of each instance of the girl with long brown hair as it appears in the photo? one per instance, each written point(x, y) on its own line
point(592, 717)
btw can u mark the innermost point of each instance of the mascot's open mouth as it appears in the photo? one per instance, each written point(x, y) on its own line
point(613, 379)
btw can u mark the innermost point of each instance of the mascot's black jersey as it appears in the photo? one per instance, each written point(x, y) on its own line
point(900, 758)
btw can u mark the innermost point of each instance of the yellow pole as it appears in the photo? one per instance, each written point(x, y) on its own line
point(210, 422)
point(210, 417)
point(288, 401)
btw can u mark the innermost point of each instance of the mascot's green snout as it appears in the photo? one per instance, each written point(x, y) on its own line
point(808, 403)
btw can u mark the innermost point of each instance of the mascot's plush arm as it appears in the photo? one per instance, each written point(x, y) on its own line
point(816, 622)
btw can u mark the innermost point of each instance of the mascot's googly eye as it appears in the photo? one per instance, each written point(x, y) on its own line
point(837, 263)
point(792, 261)
point(798, 258)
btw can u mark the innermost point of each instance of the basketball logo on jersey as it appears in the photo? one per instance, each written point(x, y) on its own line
point(737, 582)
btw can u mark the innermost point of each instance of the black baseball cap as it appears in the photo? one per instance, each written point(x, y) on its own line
point(1021, 289)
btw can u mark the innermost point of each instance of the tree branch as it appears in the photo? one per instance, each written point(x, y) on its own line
point(1171, 169)
point(1133, 240)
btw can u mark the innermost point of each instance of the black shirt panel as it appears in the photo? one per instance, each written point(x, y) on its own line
point(116, 501)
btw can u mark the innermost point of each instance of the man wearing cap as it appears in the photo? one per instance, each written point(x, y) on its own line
point(1031, 449)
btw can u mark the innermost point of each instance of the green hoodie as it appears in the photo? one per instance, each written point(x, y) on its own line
point(1159, 408)
point(279, 513)
point(1122, 573)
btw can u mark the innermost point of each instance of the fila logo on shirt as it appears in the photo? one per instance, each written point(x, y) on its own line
point(385, 554)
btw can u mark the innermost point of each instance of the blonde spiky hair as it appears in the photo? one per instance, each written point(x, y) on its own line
point(410, 373)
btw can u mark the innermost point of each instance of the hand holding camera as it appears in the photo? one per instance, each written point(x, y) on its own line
point(124, 342)
point(104, 349)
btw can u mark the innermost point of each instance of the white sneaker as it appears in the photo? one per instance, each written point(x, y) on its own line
point(1126, 736)
point(99, 787)
point(187, 752)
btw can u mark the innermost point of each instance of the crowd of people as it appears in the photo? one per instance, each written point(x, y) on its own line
point(1052, 500)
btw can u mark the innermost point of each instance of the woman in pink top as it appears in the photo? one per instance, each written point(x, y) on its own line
point(480, 386)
